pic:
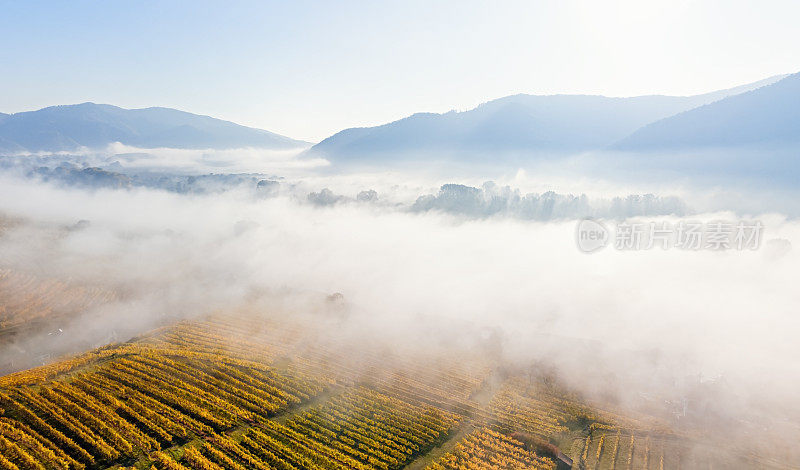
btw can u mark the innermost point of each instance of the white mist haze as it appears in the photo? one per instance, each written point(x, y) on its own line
point(181, 160)
point(617, 324)
point(395, 189)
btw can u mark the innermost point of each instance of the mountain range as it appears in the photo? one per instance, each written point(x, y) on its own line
point(518, 128)
point(767, 116)
point(90, 125)
point(528, 126)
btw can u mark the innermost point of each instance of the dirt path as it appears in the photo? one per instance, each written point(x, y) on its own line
point(437, 452)
point(285, 416)
point(470, 423)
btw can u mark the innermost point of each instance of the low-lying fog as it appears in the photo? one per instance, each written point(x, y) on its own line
point(625, 324)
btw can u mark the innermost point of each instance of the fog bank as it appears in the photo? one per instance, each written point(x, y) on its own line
point(620, 324)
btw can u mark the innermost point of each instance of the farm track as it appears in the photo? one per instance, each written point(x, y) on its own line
point(471, 423)
point(284, 416)
point(445, 447)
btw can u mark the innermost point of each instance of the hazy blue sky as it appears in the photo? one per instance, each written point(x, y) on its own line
point(307, 69)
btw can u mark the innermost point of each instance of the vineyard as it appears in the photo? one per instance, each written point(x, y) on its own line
point(256, 393)
point(26, 298)
point(490, 449)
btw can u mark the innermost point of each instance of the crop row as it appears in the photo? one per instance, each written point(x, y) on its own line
point(359, 430)
point(487, 449)
point(135, 401)
point(25, 297)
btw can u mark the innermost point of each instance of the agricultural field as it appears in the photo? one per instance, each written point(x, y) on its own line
point(26, 299)
point(487, 448)
point(236, 392)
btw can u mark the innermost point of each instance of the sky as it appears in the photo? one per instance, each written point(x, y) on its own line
point(309, 69)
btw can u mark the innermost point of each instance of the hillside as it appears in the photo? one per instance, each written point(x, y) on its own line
point(67, 128)
point(765, 117)
point(259, 392)
point(520, 124)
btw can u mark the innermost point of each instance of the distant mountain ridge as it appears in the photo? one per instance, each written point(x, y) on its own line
point(768, 116)
point(515, 128)
point(71, 127)
point(521, 124)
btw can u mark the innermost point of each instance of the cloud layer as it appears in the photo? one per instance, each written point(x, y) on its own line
point(625, 323)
